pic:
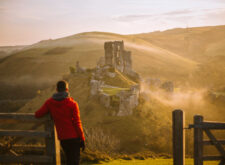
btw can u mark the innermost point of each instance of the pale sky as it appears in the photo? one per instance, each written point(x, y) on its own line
point(29, 21)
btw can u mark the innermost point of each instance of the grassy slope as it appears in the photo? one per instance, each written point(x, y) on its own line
point(205, 45)
point(40, 63)
point(191, 42)
point(152, 162)
point(135, 132)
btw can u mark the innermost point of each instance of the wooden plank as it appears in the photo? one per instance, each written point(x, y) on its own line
point(50, 141)
point(24, 133)
point(23, 117)
point(57, 149)
point(198, 138)
point(28, 147)
point(208, 125)
point(178, 137)
point(210, 142)
point(213, 125)
point(8, 149)
point(211, 158)
point(215, 142)
point(26, 159)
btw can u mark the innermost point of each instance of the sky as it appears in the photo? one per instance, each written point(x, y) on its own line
point(24, 22)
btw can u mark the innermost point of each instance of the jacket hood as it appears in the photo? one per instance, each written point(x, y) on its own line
point(59, 96)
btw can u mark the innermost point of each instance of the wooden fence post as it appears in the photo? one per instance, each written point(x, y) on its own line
point(198, 141)
point(52, 143)
point(178, 137)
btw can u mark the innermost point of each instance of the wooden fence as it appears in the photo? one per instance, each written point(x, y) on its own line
point(199, 126)
point(52, 147)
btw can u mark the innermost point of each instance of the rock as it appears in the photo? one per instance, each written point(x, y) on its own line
point(128, 101)
point(105, 99)
point(79, 69)
point(168, 86)
point(95, 86)
point(101, 62)
point(111, 74)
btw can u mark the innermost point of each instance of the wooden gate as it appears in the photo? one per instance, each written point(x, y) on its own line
point(199, 126)
point(52, 148)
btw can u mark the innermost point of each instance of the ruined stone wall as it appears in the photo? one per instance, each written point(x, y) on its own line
point(128, 101)
point(108, 46)
point(117, 57)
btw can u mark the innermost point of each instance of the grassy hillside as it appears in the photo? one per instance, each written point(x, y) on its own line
point(149, 128)
point(153, 162)
point(141, 129)
point(43, 63)
point(204, 45)
point(192, 43)
point(179, 55)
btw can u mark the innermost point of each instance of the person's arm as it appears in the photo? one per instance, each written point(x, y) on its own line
point(42, 111)
point(77, 121)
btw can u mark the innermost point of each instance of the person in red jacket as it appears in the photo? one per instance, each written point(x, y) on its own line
point(66, 116)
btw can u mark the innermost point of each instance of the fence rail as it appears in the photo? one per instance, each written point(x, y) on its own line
point(52, 147)
point(200, 126)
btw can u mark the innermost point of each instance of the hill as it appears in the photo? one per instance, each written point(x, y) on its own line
point(41, 64)
point(193, 43)
point(185, 56)
point(204, 45)
point(128, 130)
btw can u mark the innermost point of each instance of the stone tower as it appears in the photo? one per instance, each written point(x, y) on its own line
point(108, 53)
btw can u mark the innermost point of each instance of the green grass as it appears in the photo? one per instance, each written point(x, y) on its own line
point(113, 91)
point(151, 162)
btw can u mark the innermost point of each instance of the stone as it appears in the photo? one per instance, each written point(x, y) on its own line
point(120, 59)
point(128, 101)
point(168, 86)
point(105, 99)
point(101, 62)
point(79, 69)
point(111, 74)
point(95, 87)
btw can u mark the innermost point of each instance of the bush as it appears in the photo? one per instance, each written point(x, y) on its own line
point(100, 141)
point(72, 69)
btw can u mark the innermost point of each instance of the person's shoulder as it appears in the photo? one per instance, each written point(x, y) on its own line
point(72, 101)
point(49, 100)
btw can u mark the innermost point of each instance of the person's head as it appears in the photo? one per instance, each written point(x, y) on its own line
point(62, 86)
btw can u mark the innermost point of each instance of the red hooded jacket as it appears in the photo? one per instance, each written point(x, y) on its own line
point(66, 116)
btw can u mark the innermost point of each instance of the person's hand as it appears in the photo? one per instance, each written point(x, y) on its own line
point(82, 145)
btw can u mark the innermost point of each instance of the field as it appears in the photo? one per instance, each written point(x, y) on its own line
point(151, 162)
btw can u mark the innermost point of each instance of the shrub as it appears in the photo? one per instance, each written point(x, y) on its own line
point(72, 69)
point(100, 141)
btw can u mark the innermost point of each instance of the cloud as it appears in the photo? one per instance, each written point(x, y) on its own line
point(176, 14)
point(128, 18)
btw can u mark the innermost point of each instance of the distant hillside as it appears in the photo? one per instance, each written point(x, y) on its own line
point(193, 43)
point(178, 55)
point(7, 50)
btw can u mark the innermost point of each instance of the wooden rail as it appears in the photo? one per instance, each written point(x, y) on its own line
point(200, 126)
point(52, 147)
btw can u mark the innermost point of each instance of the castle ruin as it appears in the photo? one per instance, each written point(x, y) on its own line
point(117, 57)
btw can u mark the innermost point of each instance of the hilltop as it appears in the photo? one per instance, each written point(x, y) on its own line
point(185, 56)
point(41, 64)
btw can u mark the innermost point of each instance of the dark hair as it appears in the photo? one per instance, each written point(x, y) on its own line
point(62, 86)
